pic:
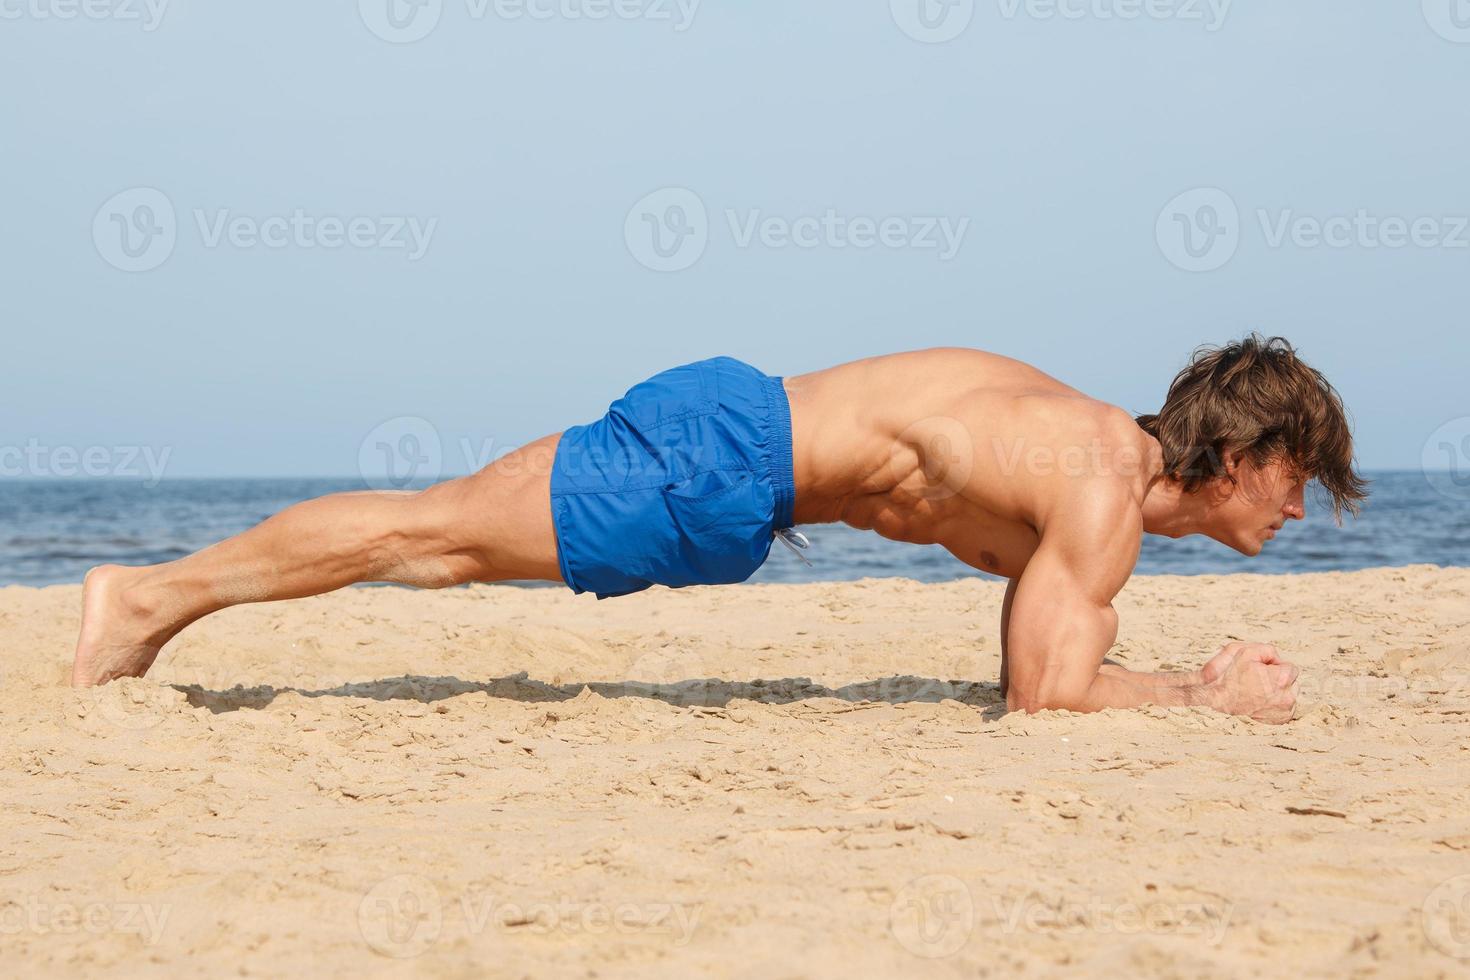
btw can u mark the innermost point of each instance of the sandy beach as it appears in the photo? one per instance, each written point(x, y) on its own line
point(804, 780)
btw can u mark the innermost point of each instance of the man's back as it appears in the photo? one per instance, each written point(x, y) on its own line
point(957, 447)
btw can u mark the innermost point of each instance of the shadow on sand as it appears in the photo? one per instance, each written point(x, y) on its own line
point(705, 692)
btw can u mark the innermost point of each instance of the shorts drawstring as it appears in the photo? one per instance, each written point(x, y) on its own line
point(796, 541)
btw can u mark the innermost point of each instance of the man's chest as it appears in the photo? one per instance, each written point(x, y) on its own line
point(972, 533)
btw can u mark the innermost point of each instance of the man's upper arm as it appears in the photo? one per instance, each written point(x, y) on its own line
point(1061, 621)
point(1005, 631)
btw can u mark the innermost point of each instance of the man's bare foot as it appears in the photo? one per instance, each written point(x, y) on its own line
point(121, 635)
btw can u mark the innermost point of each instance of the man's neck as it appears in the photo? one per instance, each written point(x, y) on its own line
point(1169, 511)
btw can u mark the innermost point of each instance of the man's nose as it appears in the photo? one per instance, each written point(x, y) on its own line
point(1296, 508)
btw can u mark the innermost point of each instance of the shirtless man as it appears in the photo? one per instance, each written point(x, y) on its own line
point(692, 475)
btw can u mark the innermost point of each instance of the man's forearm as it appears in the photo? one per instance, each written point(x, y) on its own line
point(1115, 687)
point(1173, 678)
point(1120, 688)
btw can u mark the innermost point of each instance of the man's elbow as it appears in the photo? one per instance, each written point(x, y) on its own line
point(1048, 694)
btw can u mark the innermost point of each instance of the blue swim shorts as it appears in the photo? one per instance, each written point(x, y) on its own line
point(683, 482)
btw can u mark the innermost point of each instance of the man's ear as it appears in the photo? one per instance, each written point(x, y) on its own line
point(1223, 486)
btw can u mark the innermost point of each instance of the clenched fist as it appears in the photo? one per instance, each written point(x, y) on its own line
point(1252, 680)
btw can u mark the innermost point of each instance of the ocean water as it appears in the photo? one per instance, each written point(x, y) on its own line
point(53, 531)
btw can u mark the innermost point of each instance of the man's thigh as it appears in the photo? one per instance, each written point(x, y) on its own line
point(502, 514)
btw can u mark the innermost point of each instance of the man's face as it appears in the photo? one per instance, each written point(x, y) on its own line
point(1248, 513)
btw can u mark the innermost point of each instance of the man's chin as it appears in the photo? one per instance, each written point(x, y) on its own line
point(1250, 547)
point(1247, 546)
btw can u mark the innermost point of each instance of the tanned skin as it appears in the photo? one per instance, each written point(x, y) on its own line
point(1010, 470)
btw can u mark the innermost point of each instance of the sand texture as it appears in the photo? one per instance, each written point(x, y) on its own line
point(757, 781)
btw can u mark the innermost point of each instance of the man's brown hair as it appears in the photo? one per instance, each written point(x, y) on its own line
point(1256, 397)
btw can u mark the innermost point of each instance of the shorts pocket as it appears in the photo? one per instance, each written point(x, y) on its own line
point(675, 395)
point(722, 519)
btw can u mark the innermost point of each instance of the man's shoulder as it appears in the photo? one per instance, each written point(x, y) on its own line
point(1111, 424)
point(1078, 428)
point(1100, 470)
point(924, 357)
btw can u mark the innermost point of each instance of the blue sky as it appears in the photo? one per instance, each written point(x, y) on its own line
point(367, 226)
